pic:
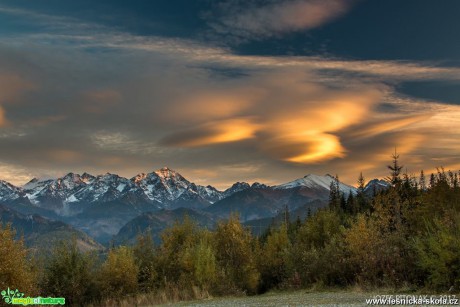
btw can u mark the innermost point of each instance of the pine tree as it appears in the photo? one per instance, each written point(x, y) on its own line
point(395, 171)
point(361, 183)
point(308, 213)
point(334, 194)
point(422, 181)
point(432, 180)
point(352, 206)
point(361, 199)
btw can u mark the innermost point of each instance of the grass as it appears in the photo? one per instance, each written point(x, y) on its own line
point(315, 296)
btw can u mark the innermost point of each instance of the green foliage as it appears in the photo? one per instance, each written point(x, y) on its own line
point(318, 253)
point(175, 254)
point(438, 252)
point(69, 274)
point(319, 229)
point(205, 264)
point(235, 255)
point(118, 275)
point(145, 257)
point(274, 258)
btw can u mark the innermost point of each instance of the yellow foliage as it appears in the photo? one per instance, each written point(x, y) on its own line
point(118, 275)
point(15, 271)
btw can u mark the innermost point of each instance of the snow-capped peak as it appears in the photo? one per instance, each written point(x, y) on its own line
point(139, 177)
point(315, 181)
point(166, 172)
point(236, 187)
point(31, 184)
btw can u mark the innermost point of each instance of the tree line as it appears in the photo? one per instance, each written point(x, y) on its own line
point(405, 236)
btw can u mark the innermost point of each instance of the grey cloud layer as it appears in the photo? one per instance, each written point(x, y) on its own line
point(120, 103)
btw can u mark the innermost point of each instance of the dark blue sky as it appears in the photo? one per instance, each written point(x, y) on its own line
point(390, 29)
point(311, 85)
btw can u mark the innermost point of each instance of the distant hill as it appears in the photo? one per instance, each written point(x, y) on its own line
point(42, 233)
point(155, 222)
point(259, 226)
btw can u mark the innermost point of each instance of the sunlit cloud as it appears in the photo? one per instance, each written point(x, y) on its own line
point(14, 174)
point(222, 131)
point(386, 125)
point(280, 118)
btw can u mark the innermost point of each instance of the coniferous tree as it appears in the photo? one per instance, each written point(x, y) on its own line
point(343, 203)
point(308, 213)
point(144, 254)
point(422, 181)
point(361, 199)
point(335, 194)
point(395, 171)
point(432, 181)
point(351, 204)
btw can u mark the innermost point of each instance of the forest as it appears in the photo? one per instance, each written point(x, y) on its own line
point(404, 237)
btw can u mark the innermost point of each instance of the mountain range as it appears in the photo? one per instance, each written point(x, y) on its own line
point(110, 207)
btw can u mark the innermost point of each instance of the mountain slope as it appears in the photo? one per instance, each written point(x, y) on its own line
point(259, 201)
point(43, 233)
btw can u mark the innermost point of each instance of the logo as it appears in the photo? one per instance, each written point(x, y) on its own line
point(14, 297)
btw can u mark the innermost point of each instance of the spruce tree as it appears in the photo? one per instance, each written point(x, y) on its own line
point(361, 199)
point(422, 181)
point(395, 171)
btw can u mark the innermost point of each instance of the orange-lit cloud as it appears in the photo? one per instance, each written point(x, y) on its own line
point(389, 124)
point(290, 118)
point(223, 131)
point(212, 104)
point(323, 147)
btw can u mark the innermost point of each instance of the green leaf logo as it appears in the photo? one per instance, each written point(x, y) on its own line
point(8, 295)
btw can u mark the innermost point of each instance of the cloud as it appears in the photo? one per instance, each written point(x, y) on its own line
point(251, 21)
point(223, 131)
point(170, 102)
point(11, 86)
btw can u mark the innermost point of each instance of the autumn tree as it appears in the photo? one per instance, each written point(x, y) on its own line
point(118, 275)
point(69, 274)
point(235, 255)
point(145, 257)
point(274, 258)
point(15, 269)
